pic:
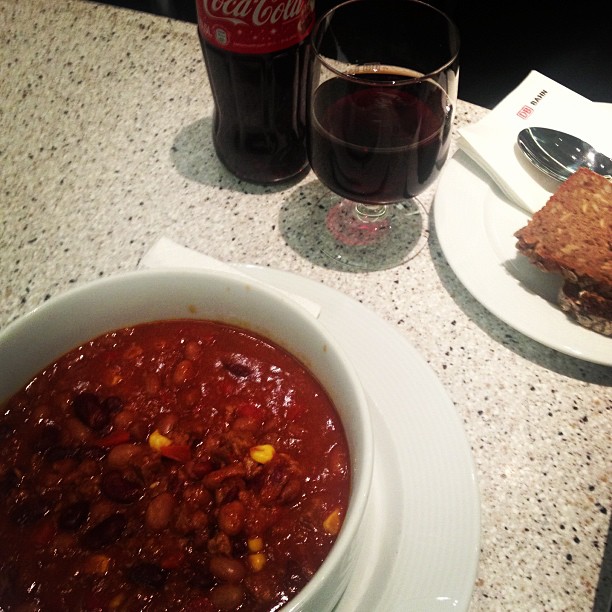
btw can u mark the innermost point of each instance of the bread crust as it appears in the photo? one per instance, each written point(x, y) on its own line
point(588, 308)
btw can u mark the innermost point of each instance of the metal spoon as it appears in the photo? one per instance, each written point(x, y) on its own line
point(558, 154)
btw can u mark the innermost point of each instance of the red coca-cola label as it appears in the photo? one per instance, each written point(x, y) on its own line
point(255, 26)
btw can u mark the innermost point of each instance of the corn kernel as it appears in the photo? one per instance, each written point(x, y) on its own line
point(157, 440)
point(332, 523)
point(257, 561)
point(262, 453)
point(255, 544)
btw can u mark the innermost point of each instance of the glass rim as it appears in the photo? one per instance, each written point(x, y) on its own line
point(401, 81)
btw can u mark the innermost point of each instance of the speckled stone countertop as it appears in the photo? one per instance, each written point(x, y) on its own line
point(105, 146)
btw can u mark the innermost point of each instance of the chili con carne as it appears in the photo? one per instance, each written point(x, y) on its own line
point(176, 465)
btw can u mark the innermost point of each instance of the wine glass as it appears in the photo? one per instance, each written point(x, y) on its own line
point(382, 89)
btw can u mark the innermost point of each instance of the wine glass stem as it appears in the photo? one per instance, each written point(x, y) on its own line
point(369, 213)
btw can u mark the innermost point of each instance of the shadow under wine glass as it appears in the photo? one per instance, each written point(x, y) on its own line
point(382, 90)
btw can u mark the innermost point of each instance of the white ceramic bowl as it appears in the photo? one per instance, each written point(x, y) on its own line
point(64, 322)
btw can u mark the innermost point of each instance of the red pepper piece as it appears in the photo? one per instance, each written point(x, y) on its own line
point(114, 439)
point(176, 452)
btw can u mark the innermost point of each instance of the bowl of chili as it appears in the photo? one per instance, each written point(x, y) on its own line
point(178, 439)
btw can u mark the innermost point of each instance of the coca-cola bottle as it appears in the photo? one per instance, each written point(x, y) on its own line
point(256, 54)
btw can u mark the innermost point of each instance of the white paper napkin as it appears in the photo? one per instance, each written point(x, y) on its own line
point(166, 253)
point(537, 101)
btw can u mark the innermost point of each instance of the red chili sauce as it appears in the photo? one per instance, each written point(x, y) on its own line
point(177, 465)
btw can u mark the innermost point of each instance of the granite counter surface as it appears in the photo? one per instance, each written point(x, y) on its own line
point(105, 121)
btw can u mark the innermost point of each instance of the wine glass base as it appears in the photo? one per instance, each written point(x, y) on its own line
point(374, 242)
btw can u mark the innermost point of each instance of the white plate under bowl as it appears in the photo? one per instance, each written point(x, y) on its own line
point(475, 224)
point(421, 530)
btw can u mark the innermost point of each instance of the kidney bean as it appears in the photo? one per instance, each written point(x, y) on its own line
point(227, 569)
point(166, 422)
point(231, 517)
point(96, 565)
point(139, 430)
point(119, 488)
point(133, 352)
point(74, 515)
point(239, 370)
point(227, 596)
point(105, 533)
point(148, 574)
point(112, 404)
point(123, 419)
point(193, 350)
point(78, 431)
point(183, 371)
point(122, 455)
point(291, 491)
point(88, 408)
point(159, 512)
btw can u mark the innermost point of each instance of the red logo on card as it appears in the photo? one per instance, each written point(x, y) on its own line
point(525, 112)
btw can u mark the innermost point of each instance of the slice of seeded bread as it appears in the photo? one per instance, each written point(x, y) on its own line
point(572, 235)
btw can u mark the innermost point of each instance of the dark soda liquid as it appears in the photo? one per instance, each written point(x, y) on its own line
point(378, 144)
point(259, 116)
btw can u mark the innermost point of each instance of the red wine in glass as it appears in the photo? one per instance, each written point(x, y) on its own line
point(378, 144)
